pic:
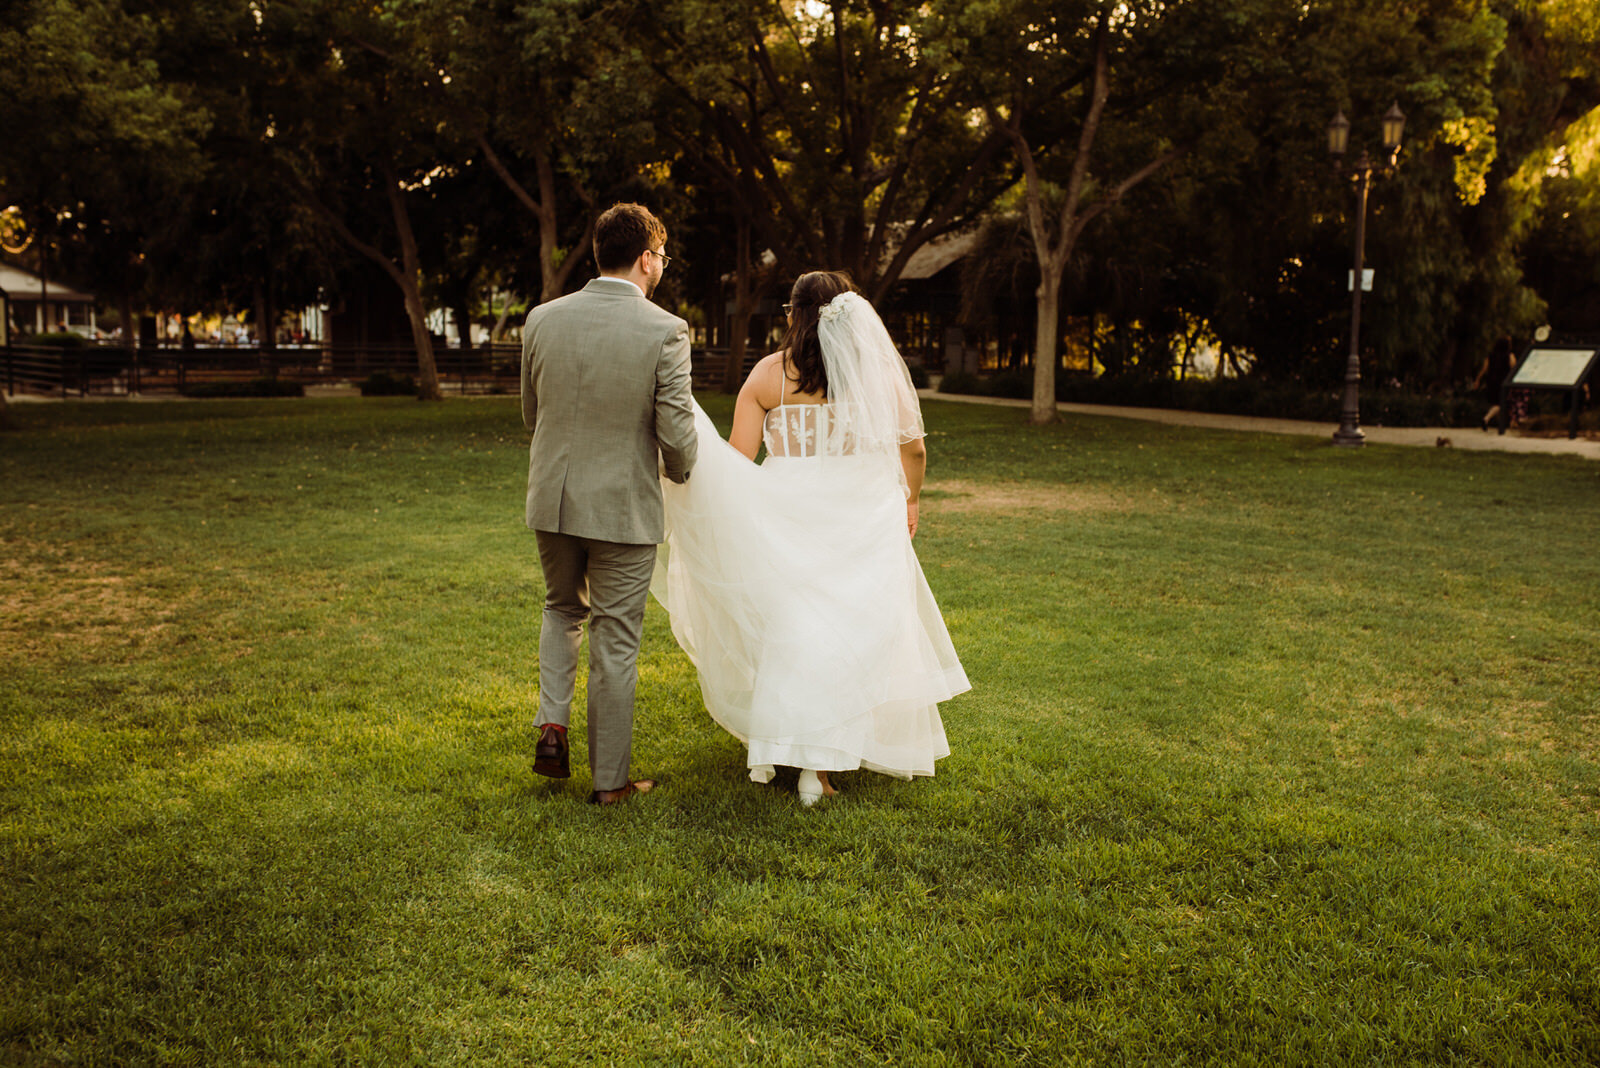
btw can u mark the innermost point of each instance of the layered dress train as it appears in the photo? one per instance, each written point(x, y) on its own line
point(793, 587)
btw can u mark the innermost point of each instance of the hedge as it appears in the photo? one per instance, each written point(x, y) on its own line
point(1234, 396)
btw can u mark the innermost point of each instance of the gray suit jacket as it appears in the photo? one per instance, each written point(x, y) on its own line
point(605, 390)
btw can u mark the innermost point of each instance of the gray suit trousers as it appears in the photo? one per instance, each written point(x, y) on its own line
point(607, 584)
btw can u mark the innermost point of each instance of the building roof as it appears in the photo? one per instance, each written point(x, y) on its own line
point(937, 254)
point(24, 285)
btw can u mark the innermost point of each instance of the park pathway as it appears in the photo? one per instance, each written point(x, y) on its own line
point(1457, 437)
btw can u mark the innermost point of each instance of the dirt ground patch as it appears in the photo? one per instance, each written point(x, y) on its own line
point(1016, 498)
point(62, 607)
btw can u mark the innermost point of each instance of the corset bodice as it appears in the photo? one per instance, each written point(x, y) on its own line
point(800, 430)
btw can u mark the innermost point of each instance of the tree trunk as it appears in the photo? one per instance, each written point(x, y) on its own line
point(498, 334)
point(269, 321)
point(743, 305)
point(462, 310)
point(552, 275)
point(130, 339)
point(1045, 356)
point(1053, 249)
point(738, 347)
point(266, 332)
point(551, 278)
point(427, 369)
point(411, 285)
point(42, 320)
point(407, 274)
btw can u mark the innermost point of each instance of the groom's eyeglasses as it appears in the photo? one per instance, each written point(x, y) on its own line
point(662, 256)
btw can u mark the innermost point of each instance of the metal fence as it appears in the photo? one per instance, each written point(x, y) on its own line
point(109, 370)
point(708, 365)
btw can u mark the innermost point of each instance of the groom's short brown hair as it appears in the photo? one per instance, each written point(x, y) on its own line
point(623, 232)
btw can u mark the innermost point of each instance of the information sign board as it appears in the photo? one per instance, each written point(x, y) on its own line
point(1562, 369)
point(1554, 368)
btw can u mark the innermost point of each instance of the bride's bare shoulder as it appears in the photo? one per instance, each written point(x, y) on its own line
point(765, 381)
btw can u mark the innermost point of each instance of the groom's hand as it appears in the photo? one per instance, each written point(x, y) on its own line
point(911, 517)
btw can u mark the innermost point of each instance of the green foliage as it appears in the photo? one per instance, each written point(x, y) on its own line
point(209, 153)
point(843, 133)
point(386, 384)
point(264, 386)
point(64, 339)
point(97, 134)
point(962, 382)
point(1251, 235)
point(1233, 396)
point(1560, 189)
point(1265, 229)
point(76, 80)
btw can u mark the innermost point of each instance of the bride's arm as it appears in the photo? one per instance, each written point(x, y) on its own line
point(914, 460)
point(750, 410)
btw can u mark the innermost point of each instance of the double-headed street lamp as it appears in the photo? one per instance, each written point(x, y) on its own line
point(1394, 125)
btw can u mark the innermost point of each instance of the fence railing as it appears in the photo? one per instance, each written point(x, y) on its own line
point(708, 365)
point(110, 370)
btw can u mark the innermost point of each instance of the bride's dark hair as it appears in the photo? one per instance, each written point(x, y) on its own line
point(801, 349)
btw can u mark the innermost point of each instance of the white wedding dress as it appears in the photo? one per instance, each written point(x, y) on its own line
point(794, 589)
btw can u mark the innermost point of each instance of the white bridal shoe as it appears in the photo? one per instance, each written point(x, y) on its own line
point(809, 788)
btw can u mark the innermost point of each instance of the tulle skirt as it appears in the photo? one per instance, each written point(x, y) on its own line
point(794, 589)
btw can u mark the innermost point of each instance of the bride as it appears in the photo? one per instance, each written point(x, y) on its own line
point(792, 584)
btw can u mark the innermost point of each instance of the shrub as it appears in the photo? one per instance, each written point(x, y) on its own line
point(1017, 385)
point(960, 382)
point(248, 387)
point(919, 375)
point(1233, 396)
point(385, 384)
point(1557, 423)
point(63, 340)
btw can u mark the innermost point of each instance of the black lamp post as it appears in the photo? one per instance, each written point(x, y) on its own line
point(1394, 124)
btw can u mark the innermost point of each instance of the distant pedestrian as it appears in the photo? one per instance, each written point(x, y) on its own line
point(1497, 367)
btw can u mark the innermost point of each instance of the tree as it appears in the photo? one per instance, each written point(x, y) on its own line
point(1541, 193)
point(1256, 225)
point(355, 125)
point(519, 81)
point(1045, 71)
point(228, 234)
point(86, 120)
point(1562, 250)
point(839, 130)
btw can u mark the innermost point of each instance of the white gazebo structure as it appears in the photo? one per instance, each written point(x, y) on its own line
point(40, 306)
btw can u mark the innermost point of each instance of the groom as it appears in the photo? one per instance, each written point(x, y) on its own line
point(605, 390)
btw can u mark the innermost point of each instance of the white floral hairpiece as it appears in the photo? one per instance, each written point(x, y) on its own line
point(835, 307)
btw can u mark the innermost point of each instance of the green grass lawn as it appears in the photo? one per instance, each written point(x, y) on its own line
point(1275, 754)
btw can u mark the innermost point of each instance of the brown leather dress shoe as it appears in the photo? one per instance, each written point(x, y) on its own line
point(550, 755)
point(611, 797)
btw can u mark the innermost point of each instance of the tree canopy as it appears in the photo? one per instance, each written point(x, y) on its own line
point(1164, 156)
